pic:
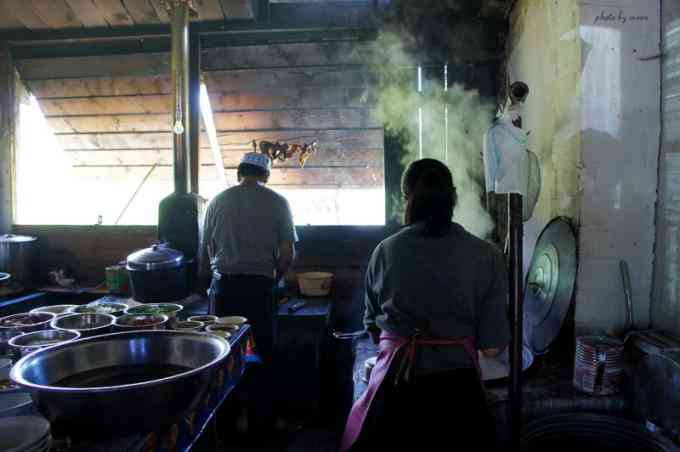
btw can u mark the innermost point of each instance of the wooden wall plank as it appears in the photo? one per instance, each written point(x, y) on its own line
point(314, 119)
point(280, 177)
point(286, 55)
point(25, 13)
point(301, 97)
point(88, 13)
point(220, 101)
point(141, 11)
point(56, 13)
point(238, 9)
point(324, 157)
point(112, 123)
point(267, 82)
point(114, 12)
point(161, 12)
point(7, 18)
point(208, 10)
point(107, 105)
point(327, 139)
point(143, 64)
point(100, 86)
point(253, 79)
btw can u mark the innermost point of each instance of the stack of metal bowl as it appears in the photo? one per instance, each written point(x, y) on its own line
point(25, 434)
point(18, 324)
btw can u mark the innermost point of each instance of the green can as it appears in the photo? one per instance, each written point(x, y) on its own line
point(117, 281)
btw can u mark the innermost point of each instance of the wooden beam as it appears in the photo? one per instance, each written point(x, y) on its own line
point(141, 11)
point(115, 13)
point(88, 13)
point(55, 13)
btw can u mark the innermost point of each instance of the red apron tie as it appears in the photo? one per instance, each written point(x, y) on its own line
point(389, 347)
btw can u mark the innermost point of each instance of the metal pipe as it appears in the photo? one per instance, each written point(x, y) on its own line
point(516, 277)
point(194, 109)
point(179, 17)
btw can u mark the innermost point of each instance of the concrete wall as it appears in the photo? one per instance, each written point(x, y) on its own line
point(544, 51)
point(620, 127)
point(594, 117)
point(666, 299)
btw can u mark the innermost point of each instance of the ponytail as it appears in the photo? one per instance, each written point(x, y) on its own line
point(432, 196)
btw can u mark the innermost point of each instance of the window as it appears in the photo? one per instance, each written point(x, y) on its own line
point(98, 128)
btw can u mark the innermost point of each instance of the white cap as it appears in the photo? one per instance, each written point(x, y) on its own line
point(257, 159)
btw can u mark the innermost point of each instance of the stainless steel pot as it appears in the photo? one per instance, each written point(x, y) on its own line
point(158, 274)
point(17, 257)
point(123, 382)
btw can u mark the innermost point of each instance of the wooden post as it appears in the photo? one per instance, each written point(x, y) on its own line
point(8, 113)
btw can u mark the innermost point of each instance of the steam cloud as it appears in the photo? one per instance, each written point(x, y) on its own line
point(459, 145)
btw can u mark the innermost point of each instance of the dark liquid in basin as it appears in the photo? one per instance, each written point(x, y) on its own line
point(120, 375)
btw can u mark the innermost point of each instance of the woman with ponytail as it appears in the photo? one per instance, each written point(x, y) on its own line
point(435, 296)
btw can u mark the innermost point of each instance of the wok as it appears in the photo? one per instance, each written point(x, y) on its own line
point(121, 383)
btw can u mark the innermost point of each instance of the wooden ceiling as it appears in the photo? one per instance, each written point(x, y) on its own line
point(58, 14)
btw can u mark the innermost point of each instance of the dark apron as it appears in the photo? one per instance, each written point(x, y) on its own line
point(390, 346)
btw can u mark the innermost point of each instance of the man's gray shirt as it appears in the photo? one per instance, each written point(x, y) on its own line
point(448, 287)
point(244, 226)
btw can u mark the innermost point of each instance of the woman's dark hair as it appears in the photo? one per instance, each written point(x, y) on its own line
point(428, 185)
point(249, 170)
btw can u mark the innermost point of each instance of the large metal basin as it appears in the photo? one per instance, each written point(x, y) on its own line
point(123, 382)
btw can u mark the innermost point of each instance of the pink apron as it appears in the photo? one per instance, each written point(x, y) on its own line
point(390, 345)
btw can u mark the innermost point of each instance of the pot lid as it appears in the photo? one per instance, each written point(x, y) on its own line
point(550, 285)
point(157, 257)
point(12, 238)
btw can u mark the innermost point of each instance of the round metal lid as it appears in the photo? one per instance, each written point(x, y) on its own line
point(157, 257)
point(12, 238)
point(550, 285)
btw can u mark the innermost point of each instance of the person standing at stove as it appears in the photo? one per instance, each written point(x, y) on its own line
point(435, 296)
point(249, 243)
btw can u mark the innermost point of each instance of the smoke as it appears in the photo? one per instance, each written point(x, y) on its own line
point(431, 120)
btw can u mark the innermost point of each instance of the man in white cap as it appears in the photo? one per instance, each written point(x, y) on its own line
point(249, 240)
